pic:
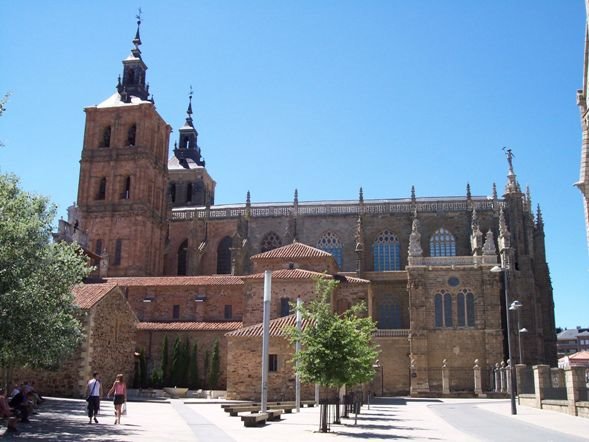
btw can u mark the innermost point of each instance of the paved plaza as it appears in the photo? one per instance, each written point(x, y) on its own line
point(388, 419)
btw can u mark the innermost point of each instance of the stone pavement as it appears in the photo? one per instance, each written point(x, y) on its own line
point(200, 420)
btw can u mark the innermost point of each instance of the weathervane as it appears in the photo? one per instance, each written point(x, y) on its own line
point(510, 157)
point(138, 16)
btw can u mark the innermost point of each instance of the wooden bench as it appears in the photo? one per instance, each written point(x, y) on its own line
point(251, 420)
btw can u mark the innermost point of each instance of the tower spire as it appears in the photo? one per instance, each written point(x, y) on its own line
point(189, 150)
point(137, 39)
point(134, 69)
point(512, 185)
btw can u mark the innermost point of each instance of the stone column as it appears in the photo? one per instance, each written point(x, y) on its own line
point(503, 377)
point(541, 381)
point(478, 378)
point(508, 377)
point(497, 372)
point(445, 377)
point(574, 380)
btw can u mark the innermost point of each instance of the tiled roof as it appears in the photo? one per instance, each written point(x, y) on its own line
point(307, 274)
point(189, 326)
point(150, 281)
point(277, 327)
point(570, 334)
point(87, 295)
point(580, 355)
point(294, 250)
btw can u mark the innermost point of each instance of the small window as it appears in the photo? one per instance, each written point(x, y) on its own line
point(189, 193)
point(101, 194)
point(105, 142)
point(183, 258)
point(118, 252)
point(228, 311)
point(98, 247)
point(284, 306)
point(272, 362)
point(131, 135)
point(439, 314)
point(176, 312)
point(126, 193)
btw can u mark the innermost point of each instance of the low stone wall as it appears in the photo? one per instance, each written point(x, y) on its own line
point(554, 405)
point(583, 409)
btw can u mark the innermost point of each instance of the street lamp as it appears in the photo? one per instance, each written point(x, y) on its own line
point(377, 364)
point(498, 269)
point(516, 305)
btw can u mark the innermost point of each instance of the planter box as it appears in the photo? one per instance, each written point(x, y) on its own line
point(176, 392)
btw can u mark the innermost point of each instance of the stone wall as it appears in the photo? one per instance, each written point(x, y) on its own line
point(244, 376)
point(393, 357)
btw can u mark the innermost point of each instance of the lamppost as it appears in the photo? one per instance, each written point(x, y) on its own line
point(516, 305)
point(505, 270)
point(377, 364)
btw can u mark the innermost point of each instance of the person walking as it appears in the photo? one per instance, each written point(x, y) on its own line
point(119, 389)
point(93, 392)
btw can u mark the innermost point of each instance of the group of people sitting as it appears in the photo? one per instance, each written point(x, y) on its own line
point(20, 404)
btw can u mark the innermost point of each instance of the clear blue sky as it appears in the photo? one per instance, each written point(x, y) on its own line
point(323, 96)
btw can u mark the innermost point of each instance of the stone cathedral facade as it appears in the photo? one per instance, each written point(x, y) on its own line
point(191, 267)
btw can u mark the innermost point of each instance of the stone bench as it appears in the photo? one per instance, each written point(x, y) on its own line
point(234, 411)
point(251, 420)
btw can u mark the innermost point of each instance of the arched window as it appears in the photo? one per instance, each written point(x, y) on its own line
point(270, 242)
point(443, 309)
point(330, 243)
point(284, 306)
point(439, 310)
point(224, 256)
point(199, 193)
point(131, 135)
point(442, 243)
point(101, 194)
point(183, 258)
point(118, 252)
point(131, 76)
point(386, 252)
point(461, 310)
point(470, 309)
point(447, 309)
point(105, 137)
point(465, 308)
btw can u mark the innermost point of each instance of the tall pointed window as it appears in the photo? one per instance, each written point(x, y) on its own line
point(330, 243)
point(270, 242)
point(465, 308)
point(101, 194)
point(131, 135)
point(199, 193)
point(386, 252)
point(443, 309)
point(224, 256)
point(183, 258)
point(442, 243)
point(105, 142)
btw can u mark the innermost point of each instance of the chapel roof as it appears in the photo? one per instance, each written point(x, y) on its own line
point(278, 327)
point(150, 281)
point(293, 251)
point(88, 295)
point(189, 326)
point(307, 274)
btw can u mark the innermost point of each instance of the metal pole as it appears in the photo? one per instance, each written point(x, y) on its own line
point(266, 338)
point(381, 380)
point(519, 338)
point(509, 348)
point(297, 350)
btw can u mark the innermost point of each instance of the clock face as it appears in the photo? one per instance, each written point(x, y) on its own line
point(453, 281)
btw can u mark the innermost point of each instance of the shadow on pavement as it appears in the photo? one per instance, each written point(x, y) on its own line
point(65, 420)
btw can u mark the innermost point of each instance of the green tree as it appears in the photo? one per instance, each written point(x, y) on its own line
point(184, 369)
point(338, 349)
point(193, 381)
point(165, 362)
point(215, 371)
point(205, 381)
point(176, 370)
point(39, 324)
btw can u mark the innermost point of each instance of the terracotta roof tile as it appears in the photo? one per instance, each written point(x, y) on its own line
point(307, 274)
point(149, 281)
point(189, 326)
point(87, 295)
point(294, 250)
point(278, 327)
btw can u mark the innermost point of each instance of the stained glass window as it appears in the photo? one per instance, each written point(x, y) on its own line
point(442, 243)
point(386, 252)
point(330, 243)
point(270, 242)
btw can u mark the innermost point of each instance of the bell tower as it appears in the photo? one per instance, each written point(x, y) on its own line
point(123, 175)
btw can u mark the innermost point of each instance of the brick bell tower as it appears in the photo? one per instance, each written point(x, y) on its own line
point(123, 176)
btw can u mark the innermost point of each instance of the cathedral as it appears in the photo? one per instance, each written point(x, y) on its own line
point(178, 263)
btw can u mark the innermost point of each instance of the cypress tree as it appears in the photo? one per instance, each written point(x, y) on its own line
point(206, 368)
point(193, 371)
point(185, 363)
point(165, 363)
point(176, 371)
point(215, 371)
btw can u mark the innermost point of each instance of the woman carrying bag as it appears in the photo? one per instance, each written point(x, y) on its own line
point(119, 389)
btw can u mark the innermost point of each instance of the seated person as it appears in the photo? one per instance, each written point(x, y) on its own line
point(20, 403)
point(6, 412)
